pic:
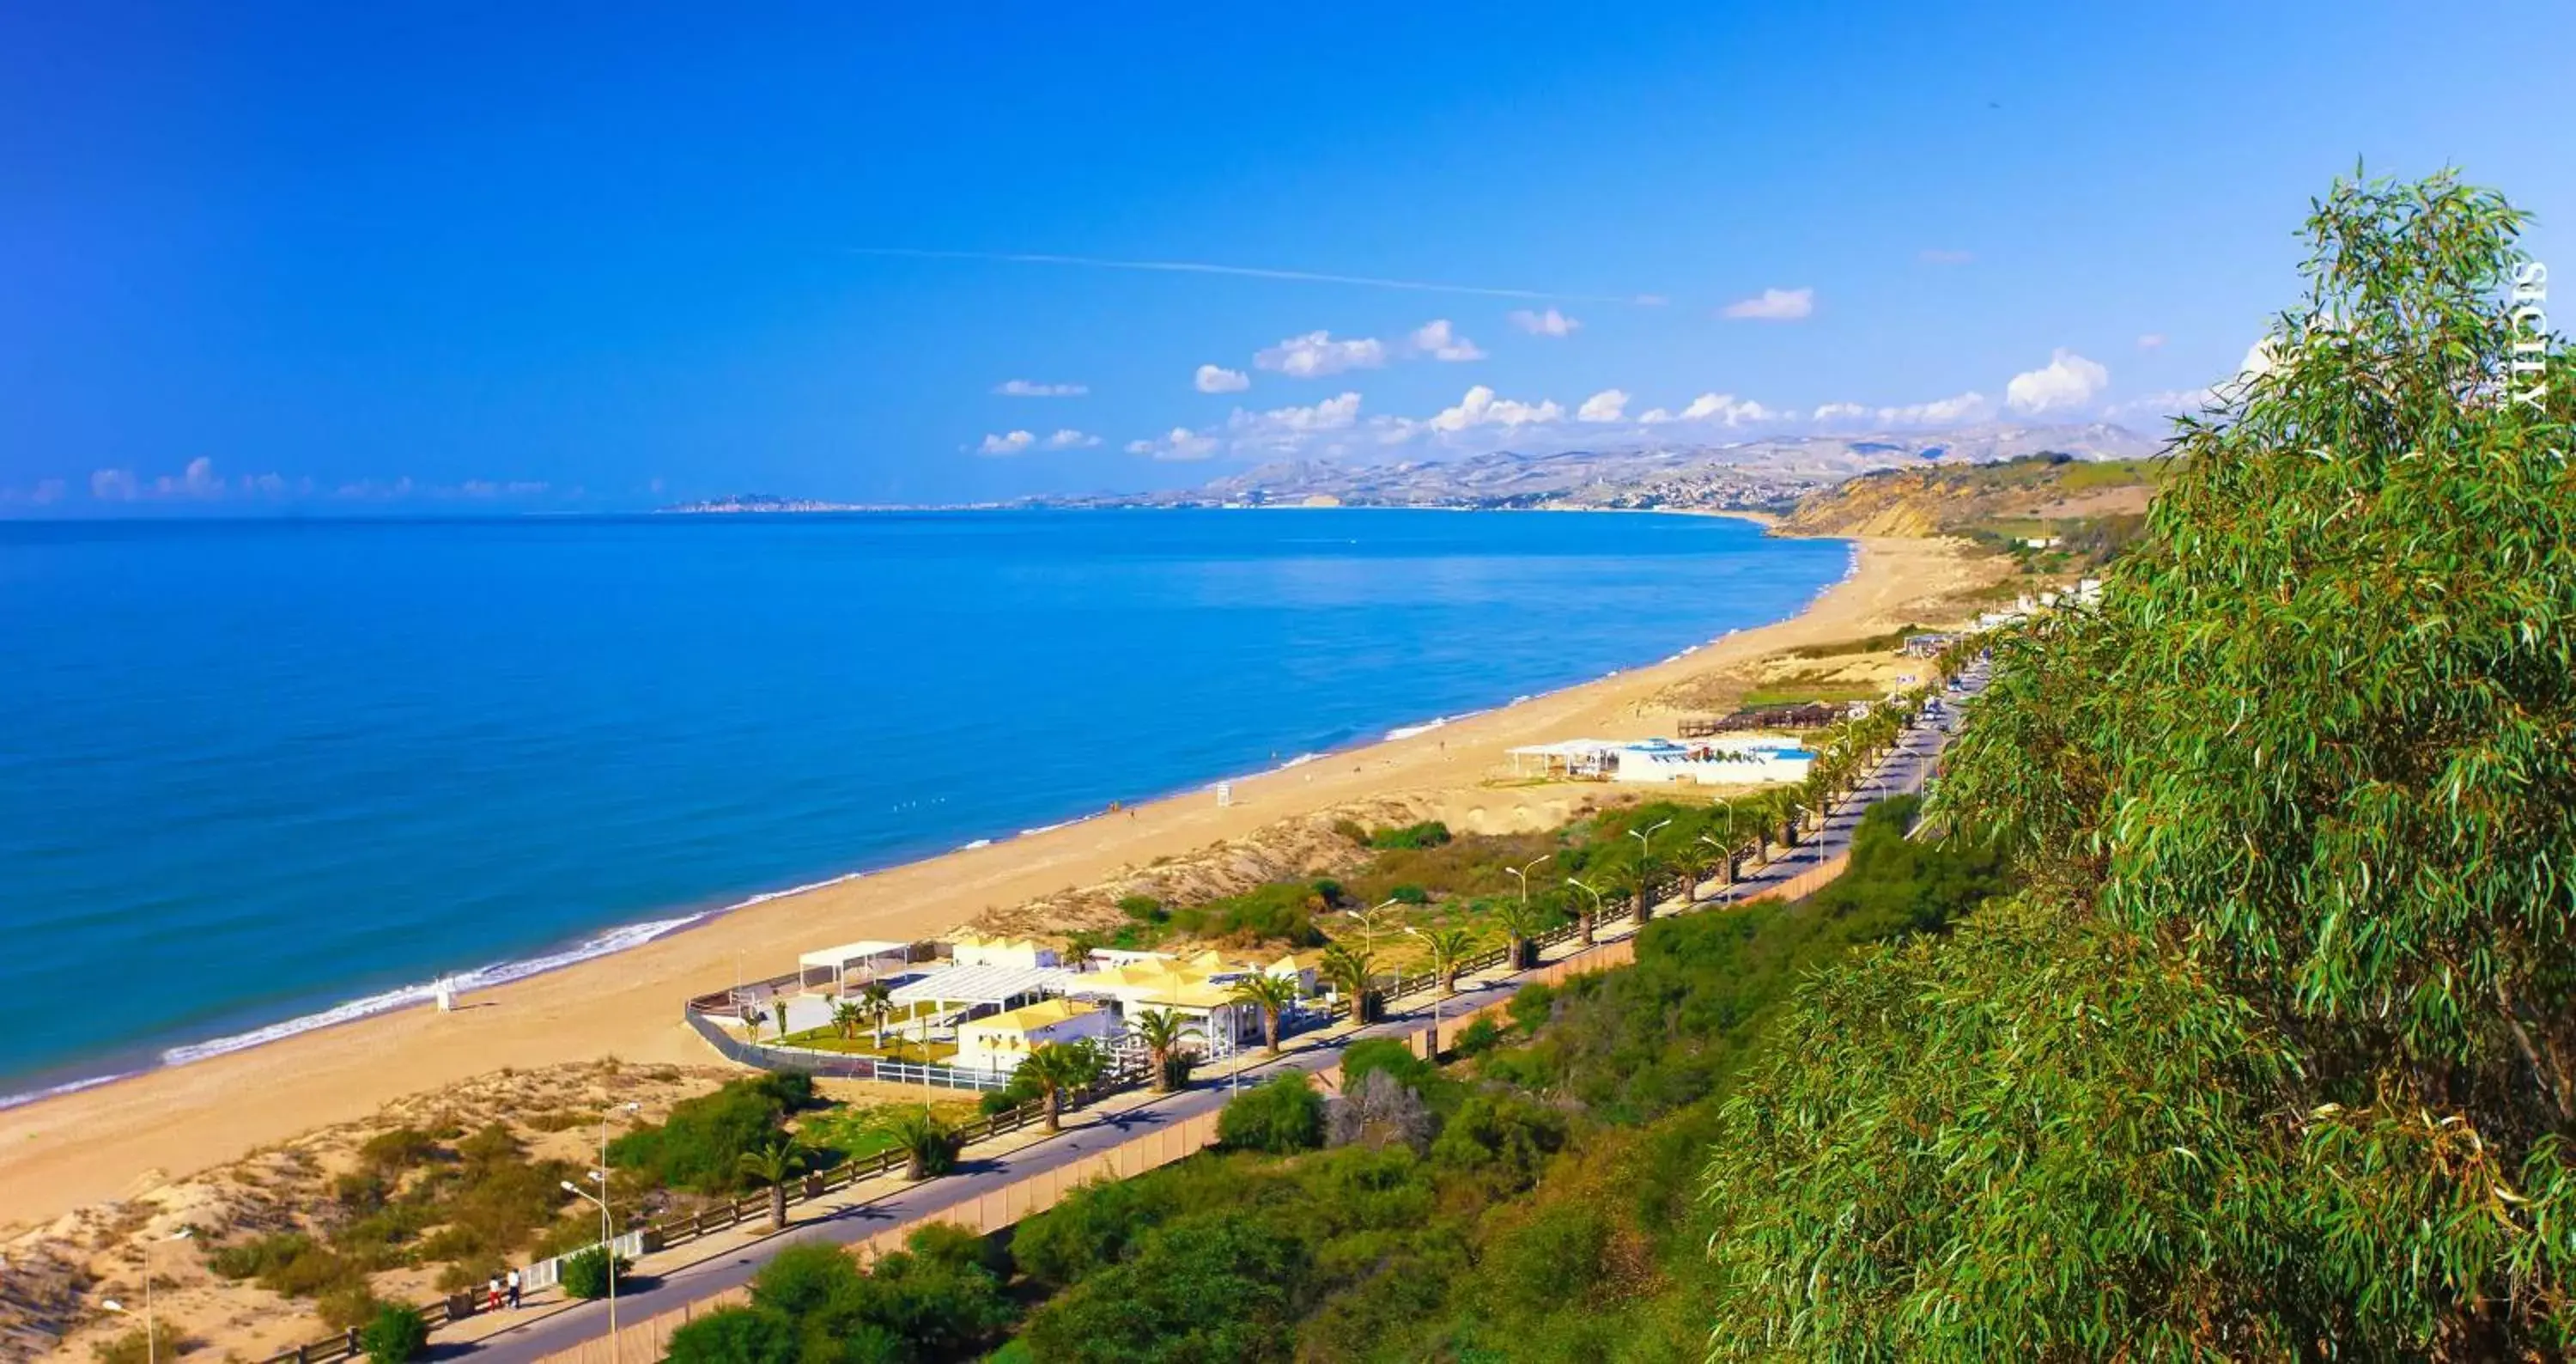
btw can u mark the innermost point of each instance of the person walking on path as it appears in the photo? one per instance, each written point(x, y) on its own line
point(514, 1290)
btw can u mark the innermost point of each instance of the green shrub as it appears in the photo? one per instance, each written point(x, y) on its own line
point(1144, 909)
point(738, 1335)
point(397, 1333)
point(585, 1275)
point(1409, 894)
point(391, 1153)
point(1330, 892)
point(1388, 1054)
point(1280, 1116)
point(1093, 1228)
point(165, 1342)
point(346, 1306)
point(700, 1146)
point(1430, 833)
point(1282, 911)
point(289, 1263)
point(1477, 1038)
point(1219, 1286)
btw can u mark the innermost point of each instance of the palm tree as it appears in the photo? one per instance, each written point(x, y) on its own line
point(1352, 971)
point(1449, 949)
point(845, 1020)
point(1060, 1068)
point(773, 1164)
point(1520, 924)
point(1271, 995)
point(876, 1002)
point(928, 1143)
point(1162, 1031)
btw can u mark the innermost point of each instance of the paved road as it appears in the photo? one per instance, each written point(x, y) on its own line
point(1905, 769)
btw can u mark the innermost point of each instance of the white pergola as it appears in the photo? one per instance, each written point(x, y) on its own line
point(828, 969)
point(1002, 987)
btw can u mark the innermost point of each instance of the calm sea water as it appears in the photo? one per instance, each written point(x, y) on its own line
point(255, 776)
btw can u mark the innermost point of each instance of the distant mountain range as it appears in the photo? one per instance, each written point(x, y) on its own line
point(1765, 473)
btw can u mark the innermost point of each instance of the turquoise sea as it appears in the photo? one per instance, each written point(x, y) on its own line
point(260, 776)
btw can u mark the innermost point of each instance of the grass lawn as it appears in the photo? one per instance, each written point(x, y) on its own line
point(855, 1131)
point(897, 1048)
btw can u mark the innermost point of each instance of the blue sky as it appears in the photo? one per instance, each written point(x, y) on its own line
point(605, 256)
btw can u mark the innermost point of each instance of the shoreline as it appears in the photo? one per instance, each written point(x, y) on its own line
point(116, 1135)
point(602, 942)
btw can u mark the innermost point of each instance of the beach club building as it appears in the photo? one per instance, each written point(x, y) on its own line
point(999, 1043)
point(1718, 760)
point(1200, 989)
point(1028, 954)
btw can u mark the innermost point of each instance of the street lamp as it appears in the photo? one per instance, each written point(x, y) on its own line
point(1645, 866)
point(1521, 873)
point(1727, 856)
point(607, 1239)
point(1436, 991)
point(151, 1336)
point(1368, 919)
point(1595, 916)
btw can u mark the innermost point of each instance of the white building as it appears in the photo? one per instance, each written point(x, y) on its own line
point(1725, 760)
point(1000, 1042)
point(1025, 953)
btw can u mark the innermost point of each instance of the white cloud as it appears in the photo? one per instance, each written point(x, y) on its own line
point(1608, 405)
point(113, 485)
point(1219, 379)
point(1831, 414)
point(1030, 388)
point(1317, 354)
point(1549, 323)
point(1965, 407)
point(197, 480)
point(1182, 444)
point(45, 493)
point(2152, 341)
point(1008, 443)
point(1773, 305)
point(1070, 439)
point(1727, 409)
point(2067, 381)
point(2260, 358)
point(1435, 339)
point(1481, 408)
point(1933, 255)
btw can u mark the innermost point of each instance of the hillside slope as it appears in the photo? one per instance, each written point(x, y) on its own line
point(2033, 496)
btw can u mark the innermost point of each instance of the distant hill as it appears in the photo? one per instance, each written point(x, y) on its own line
point(2028, 495)
point(1767, 473)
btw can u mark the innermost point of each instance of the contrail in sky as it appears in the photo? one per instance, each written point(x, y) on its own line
point(1184, 267)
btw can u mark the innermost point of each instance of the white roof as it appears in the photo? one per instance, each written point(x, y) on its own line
point(1571, 748)
point(852, 951)
point(983, 984)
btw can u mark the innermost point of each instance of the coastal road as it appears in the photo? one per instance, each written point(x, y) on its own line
point(1905, 769)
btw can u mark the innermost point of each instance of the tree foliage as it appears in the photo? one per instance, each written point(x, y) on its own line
point(2274, 1054)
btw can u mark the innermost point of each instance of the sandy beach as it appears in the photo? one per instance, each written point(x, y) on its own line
point(121, 1139)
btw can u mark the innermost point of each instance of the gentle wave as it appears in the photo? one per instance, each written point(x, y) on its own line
point(8, 1101)
point(500, 973)
point(1408, 731)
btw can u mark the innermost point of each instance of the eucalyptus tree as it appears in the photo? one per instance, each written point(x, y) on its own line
point(2272, 1053)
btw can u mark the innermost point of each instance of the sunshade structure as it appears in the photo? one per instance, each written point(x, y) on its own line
point(831, 970)
point(997, 987)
